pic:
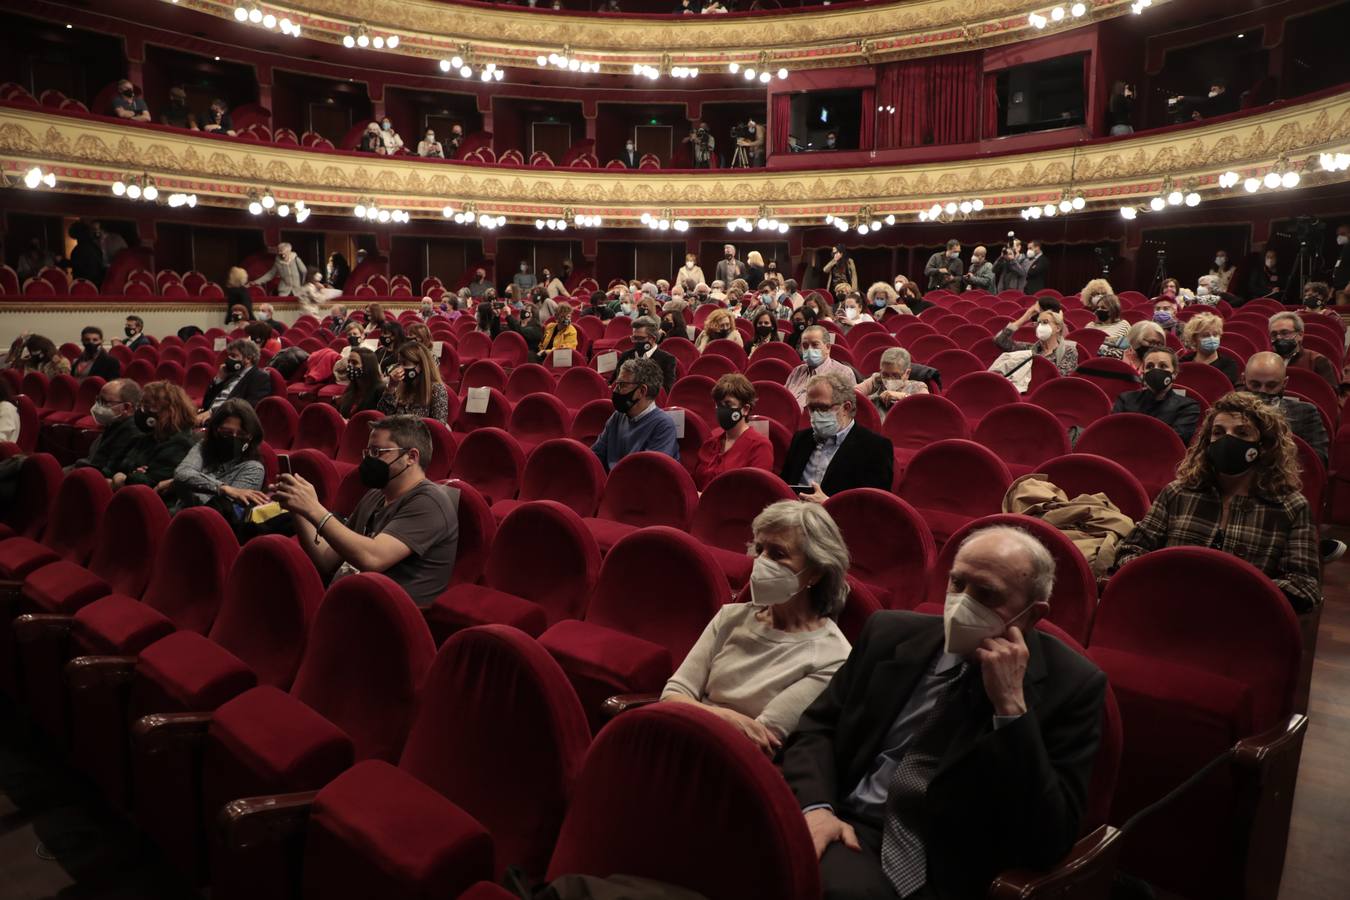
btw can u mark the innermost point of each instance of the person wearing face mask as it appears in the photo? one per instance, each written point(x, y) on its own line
point(1286, 339)
point(165, 419)
point(1037, 269)
point(1238, 490)
point(1207, 290)
point(126, 104)
point(1202, 335)
point(479, 285)
point(766, 329)
point(814, 348)
point(1138, 337)
point(224, 464)
point(35, 353)
point(237, 297)
point(559, 334)
point(733, 444)
point(365, 386)
point(313, 295)
point(526, 324)
point(405, 527)
point(288, 269)
point(239, 378)
point(759, 664)
point(218, 119)
point(1010, 269)
point(524, 279)
point(981, 271)
point(370, 139)
point(944, 268)
point(719, 326)
point(1340, 270)
point(1158, 398)
point(690, 271)
point(390, 142)
point(415, 386)
point(178, 114)
point(1267, 279)
point(1049, 343)
point(95, 360)
point(949, 749)
point(1266, 376)
point(1317, 298)
point(390, 337)
point(840, 269)
point(853, 312)
point(893, 382)
point(1165, 314)
point(729, 268)
point(114, 411)
point(646, 334)
point(637, 424)
point(802, 318)
point(430, 148)
point(629, 157)
point(1222, 273)
point(835, 453)
point(134, 330)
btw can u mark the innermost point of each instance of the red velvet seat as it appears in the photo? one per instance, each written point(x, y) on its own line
point(953, 365)
point(917, 421)
point(726, 507)
point(952, 482)
point(776, 402)
point(497, 415)
point(355, 436)
point(1203, 651)
point(1113, 376)
point(69, 528)
point(538, 418)
point(646, 488)
point(444, 445)
point(580, 385)
point(1023, 435)
point(320, 427)
point(564, 563)
point(477, 531)
point(729, 349)
point(891, 547)
point(1149, 449)
point(590, 420)
point(694, 393)
point(774, 371)
point(318, 470)
point(979, 393)
point(530, 378)
point(510, 350)
point(1084, 473)
point(474, 346)
point(1206, 379)
point(561, 469)
point(39, 482)
point(279, 420)
point(1074, 401)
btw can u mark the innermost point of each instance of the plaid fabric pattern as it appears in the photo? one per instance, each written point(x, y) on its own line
point(1277, 536)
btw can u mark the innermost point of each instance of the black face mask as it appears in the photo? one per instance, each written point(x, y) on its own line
point(353, 340)
point(129, 331)
point(1158, 380)
point(1313, 302)
point(129, 92)
point(641, 347)
point(728, 418)
point(798, 326)
point(353, 372)
point(1102, 313)
point(1284, 347)
point(386, 340)
point(375, 472)
point(1231, 455)
point(90, 349)
point(411, 375)
point(223, 447)
point(622, 402)
point(764, 330)
point(234, 366)
point(145, 421)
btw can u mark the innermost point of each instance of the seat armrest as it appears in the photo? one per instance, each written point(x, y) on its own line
point(271, 819)
point(33, 627)
point(92, 672)
point(1085, 874)
point(163, 732)
point(1260, 750)
point(624, 702)
point(1265, 771)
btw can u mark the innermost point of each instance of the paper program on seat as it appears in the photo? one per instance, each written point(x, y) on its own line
point(477, 401)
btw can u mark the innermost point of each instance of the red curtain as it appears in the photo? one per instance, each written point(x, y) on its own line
point(936, 101)
point(780, 122)
point(990, 106)
point(867, 128)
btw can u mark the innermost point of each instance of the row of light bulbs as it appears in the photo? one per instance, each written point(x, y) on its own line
point(490, 72)
point(266, 203)
point(582, 221)
point(864, 225)
point(950, 208)
point(35, 178)
point(566, 62)
point(256, 16)
point(1272, 180)
point(1334, 162)
point(750, 74)
point(469, 217)
point(1066, 205)
point(1059, 14)
point(358, 36)
point(663, 223)
point(373, 212)
point(136, 187)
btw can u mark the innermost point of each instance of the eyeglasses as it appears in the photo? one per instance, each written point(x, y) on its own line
point(375, 452)
point(625, 384)
point(1285, 334)
point(822, 407)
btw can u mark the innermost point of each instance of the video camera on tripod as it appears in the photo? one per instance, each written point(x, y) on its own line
point(741, 131)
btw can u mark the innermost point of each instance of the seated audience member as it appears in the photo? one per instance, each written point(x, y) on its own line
point(1317, 297)
point(1049, 343)
point(853, 312)
point(238, 316)
point(1222, 273)
point(126, 105)
point(892, 383)
point(224, 463)
point(1165, 313)
point(1157, 398)
point(391, 338)
point(95, 360)
point(1286, 339)
point(493, 315)
point(1202, 335)
point(405, 526)
point(1142, 336)
point(1267, 377)
point(263, 337)
point(415, 386)
point(365, 386)
point(931, 719)
point(165, 419)
point(646, 337)
point(815, 352)
point(429, 147)
point(559, 333)
point(115, 412)
point(637, 423)
point(802, 318)
point(1266, 280)
point(524, 280)
point(218, 119)
point(672, 323)
point(178, 114)
point(237, 296)
point(554, 285)
point(136, 337)
point(239, 378)
point(719, 326)
point(1207, 290)
point(733, 444)
point(885, 302)
point(9, 414)
point(376, 318)
point(1237, 490)
point(35, 353)
point(390, 141)
point(765, 324)
point(289, 270)
point(370, 139)
point(759, 665)
point(266, 312)
point(836, 453)
point(479, 284)
point(420, 333)
point(526, 324)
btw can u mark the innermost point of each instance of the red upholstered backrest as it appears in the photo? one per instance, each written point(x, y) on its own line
point(578, 386)
point(564, 559)
point(1022, 434)
point(1074, 401)
point(490, 460)
point(730, 502)
point(539, 417)
point(955, 476)
point(61, 391)
point(128, 539)
point(271, 595)
point(1144, 445)
point(694, 392)
point(530, 378)
point(500, 732)
point(477, 530)
point(39, 482)
point(28, 423)
point(672, 609)
point(920, 419)
point(651, 785)
point(1210, 611)
point(318, 470)
point(649, 488)
point(564, 470)
point(71, 530)
point(368, 651)
point(355, 435)
point(890, 545)
point(320, 428)
point(188, 581)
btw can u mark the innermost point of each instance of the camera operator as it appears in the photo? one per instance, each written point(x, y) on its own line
point(750, 138)
point(701, 145)
point(1120, 111)
point(1010, 269)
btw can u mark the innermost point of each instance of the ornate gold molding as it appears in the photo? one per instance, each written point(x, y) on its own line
point(799, 39)
point(88, 155)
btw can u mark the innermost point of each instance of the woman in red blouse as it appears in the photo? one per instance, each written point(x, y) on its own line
point(733, 445)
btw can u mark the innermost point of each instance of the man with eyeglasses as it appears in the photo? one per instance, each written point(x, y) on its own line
point(405, 527)
point(637, 423)
point(836, 453)
point(1286, 339)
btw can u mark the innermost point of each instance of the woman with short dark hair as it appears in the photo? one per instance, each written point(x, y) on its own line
point(733, 444)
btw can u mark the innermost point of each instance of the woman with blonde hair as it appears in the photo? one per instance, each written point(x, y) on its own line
point(1049, 343)
point(754, 270)
point(415, 386)
point(721, 325)
point(165, 417)
point(884, 302)
point(1238, 490)
point(1201, 336)
point(236, 294)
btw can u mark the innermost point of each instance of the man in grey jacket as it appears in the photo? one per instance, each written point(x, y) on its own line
point(944, 269)
point(981, 271)
point(1010, 270)
point(289, 270)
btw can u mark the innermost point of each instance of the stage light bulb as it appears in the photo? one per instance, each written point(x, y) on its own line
point(465, 71)
point(1272, 180)
point(765, 77)
point(192, 201)
point(240, 14)
point(874, 226)
point(965, 207)
point(378, 42)
point(1175, 198)
point(1065, 206)
point(1192, 199)
point(573, 65)
point(301, 215)
point(348, 41)
point(862, 229)
point(255, 15)
point(782, 74)
point(374, 213)
point(133, 191)
point(923, 215)
point(360, 211)
point(1057, 14)
point(1252, 185)
point(283, 210)
point(1078, 10)
point(498, 75)
point(268, 201)
point(392, 41)
point(749, 74)
point(934, 211)
point(890, 219)
point(977, 203)
point(362, 41)
point(269, 21)
point(734, 68)
point(1128, 212)
point(1049, 209)
point(1157, 204)
point(762, 224)
point(951, 207)
point(383, 215)
point(151, 192)
point(1290, 180)
point(1078, 203)
point(118, 187)
point(255, 208)
point(456, 62)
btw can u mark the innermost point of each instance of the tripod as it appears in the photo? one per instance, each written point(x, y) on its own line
point(1159, 274)
point(1302, 272)
point(740, 159)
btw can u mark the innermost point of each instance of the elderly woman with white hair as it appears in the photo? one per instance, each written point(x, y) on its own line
point(1049, 342)
point(759, 665)
point(892, 383)
point(289, 270)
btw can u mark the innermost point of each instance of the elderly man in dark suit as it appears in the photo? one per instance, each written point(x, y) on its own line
point(646, 333)
point(949, 749)
point(836, 453)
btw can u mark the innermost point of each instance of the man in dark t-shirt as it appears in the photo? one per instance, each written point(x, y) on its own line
point(405, 527)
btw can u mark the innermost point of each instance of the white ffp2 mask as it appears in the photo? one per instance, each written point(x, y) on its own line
point(967, 623)
point(772, 583)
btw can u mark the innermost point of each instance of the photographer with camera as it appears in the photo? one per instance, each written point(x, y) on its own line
point(1010, 269)
point(981, 272)
point(749, 144)
point(701, 145)
point(944, 269)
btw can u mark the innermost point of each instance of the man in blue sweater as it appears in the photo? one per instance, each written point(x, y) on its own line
point(637, 424)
